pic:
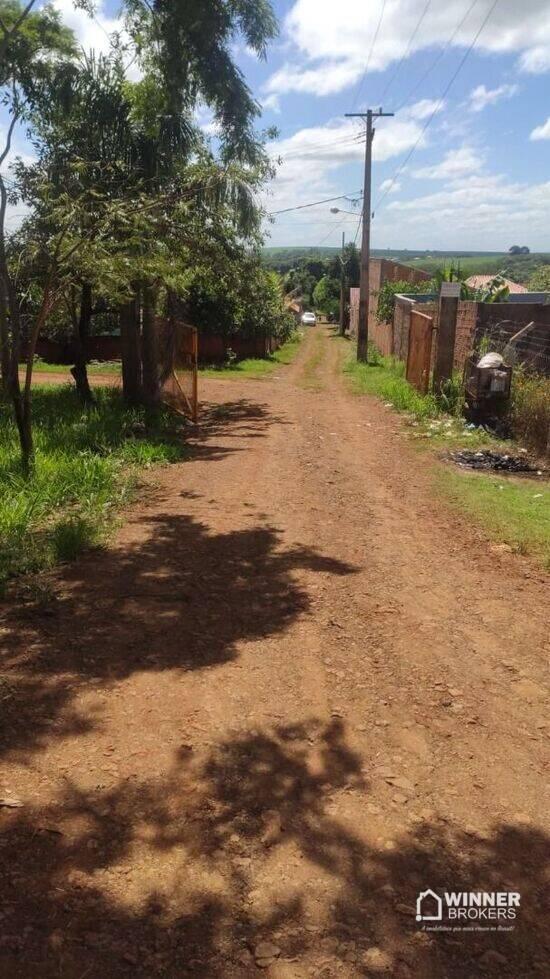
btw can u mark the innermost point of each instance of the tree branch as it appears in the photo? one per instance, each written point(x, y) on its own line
point(13, 30)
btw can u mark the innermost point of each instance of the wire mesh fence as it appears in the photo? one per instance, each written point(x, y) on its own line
point(178, 349)
point(526, 345)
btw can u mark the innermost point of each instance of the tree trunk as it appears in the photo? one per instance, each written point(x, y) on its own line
point(22, 401)
point(80, 370)
point(131, 355)
point(149, 349)
point(4, 339)
point(22, 410)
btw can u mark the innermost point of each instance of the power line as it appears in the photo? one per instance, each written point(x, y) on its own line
point(358, 138)
point(369, 57)
point(405, 54)
point(438, 58)
point(299, 207)
point(437, 107)
point(334, 227)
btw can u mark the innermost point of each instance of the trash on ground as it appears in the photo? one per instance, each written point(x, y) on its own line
point(497, 461)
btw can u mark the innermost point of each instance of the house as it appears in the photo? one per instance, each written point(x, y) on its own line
point(483, 281)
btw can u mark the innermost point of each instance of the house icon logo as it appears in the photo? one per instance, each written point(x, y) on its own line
point(429, 906)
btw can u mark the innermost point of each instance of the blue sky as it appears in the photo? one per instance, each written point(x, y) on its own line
point(479, 175)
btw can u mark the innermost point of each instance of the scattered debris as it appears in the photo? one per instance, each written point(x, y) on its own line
point(496, 461)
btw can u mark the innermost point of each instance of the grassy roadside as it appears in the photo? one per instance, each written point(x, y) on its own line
point(512, 510)
point(87, 465)
point(94, 367)
point(256, 367)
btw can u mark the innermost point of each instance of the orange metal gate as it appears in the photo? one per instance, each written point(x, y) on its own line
point(179, 373)
point(420, 351)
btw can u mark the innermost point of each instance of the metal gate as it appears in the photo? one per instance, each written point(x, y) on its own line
point(179, 368)
point(419, 354)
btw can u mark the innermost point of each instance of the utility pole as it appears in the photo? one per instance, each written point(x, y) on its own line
point(363, 326)
point(343, 287)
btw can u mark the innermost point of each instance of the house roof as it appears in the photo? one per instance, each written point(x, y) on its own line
point(480, 281)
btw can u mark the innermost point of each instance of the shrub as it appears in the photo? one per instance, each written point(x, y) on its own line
point(530, 410)
point(388, 292)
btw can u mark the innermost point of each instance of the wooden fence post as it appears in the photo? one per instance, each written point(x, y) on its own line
point(446, 334)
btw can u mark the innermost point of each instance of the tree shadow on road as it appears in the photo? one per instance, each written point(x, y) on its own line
point(179, 598)
point(222, 426)
point(176, 876)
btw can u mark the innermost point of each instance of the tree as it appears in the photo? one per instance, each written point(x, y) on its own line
point(191, 45)
point(352, 265)
point(126, 198)
point(540, 279)
point(34, 49)
point(388, 292)
point(326, 296)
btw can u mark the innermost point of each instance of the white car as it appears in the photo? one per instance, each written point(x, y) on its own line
point(309, 319)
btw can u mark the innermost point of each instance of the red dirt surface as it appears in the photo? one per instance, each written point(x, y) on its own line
point(295, 692)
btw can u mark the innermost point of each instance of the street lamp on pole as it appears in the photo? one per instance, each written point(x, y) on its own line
point(338, 210)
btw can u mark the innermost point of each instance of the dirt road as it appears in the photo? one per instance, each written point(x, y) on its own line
point(295, 693)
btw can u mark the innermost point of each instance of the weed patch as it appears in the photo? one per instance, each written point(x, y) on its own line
point(86, 469)
point(385, 378)
point(530, 410)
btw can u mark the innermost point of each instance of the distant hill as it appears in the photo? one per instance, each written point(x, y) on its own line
point(519, 268)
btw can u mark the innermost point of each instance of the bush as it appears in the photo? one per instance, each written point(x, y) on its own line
point(388, 292)
point(530, 410)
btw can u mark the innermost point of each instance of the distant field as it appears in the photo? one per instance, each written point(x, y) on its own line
point(518, 267)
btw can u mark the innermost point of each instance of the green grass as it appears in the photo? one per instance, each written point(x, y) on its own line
point(384, 377)
point(513, 511)
point(256, 367)
point(86, 469)
point(95, 367)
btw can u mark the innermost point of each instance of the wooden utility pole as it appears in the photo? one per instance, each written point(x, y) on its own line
point(343, 287)
point(363, 325)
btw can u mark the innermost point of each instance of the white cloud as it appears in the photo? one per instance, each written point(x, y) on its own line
point(542, 131)
point(390, 186)
point(272, 102)
point(91, 33)
point(454, 165)
point(312, 158)
point(425, 108)
point(481, 96)
point(329, 43)
point(94, 33)
point(536, 61)
point(331, 77)
point(485, 211)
